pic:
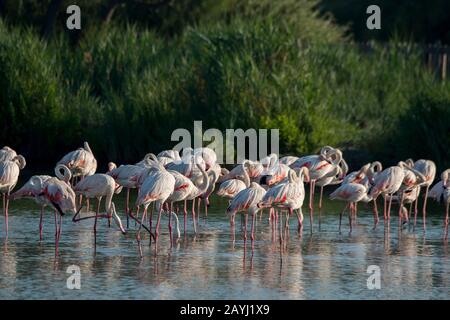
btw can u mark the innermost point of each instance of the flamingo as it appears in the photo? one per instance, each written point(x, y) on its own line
point(60, 195)
point(428, 169)
point(230, 188)
point(33, 188)
point(269, 162)
point(247, 201)
point(157, 187)
point(197, 191)
point(442, 190)
point(98, 186)
point(387, 182)
point(352, 193)
point(127, 176)
point(7, 154)
point(288, 160)
point(212, 184)
point(209, 156)
point(9, 174)
point(81, 162)
point(278, 173)
point(254, 169)
point(319, 166)
point(171, 154)
point(288, 195)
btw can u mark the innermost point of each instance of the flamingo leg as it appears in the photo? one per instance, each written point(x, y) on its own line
point(416, 210)
point(340, 216)
point(400, 213)
point(193, 216)
point(385, 208)
point(311, 203)
point(6, 199)
point(320, 204)
point(232, 231)
point(138, 233)
point(157, 225)
point(300, 220)
point(252, 236)
point(446, 221)
point(350, 216)
point(389, 208)
point(95, 223)
point(40, 223)
point(170, 223)
point(127, 207)
point(206, 206)
point(245, 226)
point(424, 209)
point(375, 214)
point(199, 202)
point(185, 215)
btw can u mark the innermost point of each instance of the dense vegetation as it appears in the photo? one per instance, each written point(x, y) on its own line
point(247, 64)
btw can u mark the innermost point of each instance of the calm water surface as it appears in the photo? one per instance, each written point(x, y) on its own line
point(326, 265)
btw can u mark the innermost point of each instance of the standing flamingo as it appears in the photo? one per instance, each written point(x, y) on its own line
point(319, 166)
point(387, 182)
point(60, 195)
point(157, 187)
point(288, 160)
point(9, 174)
point(289, 195)
point(126, 176)
point(247, 201)
point(98, 186)
point(352, 193)
point(33, 188)
point(442, 190)
point(428, 169)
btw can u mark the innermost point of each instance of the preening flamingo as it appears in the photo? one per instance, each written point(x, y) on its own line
point(98, 186)
point(247, 201)
point(7, 154)
point(387, 182)
point(231, 187)
point(319, 166)
point(81, 162)
point(288, 195)
point(199, 189)
point(352, 193)
point(127, 176)
point(254, 169)
point(157, 187)
point(288, 160)
point(9, 174)
point(60, 195)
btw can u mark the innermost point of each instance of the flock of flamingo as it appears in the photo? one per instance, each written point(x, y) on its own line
point(167, 180)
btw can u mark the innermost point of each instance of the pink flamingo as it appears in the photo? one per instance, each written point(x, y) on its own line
point(199, 189)
point(246, 201)
point(254, 169)
point(98, 186)
point(288, 160)
point(319, 166)
point(230, 188)
point(9, 174)
point(157, 187)
point(213, 178)
point(33, 188)
point(127, 176)
point(288, 195)
point(277, 174)
point(387, 182)
point(442, 190)
point(81, 162)
point(352, 193)
point(428, 169)
point(60, 195)
point(7, 154)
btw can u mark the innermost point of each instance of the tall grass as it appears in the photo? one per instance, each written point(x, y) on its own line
point(126, 91)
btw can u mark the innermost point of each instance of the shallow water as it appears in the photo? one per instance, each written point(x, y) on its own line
point(324, 265)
